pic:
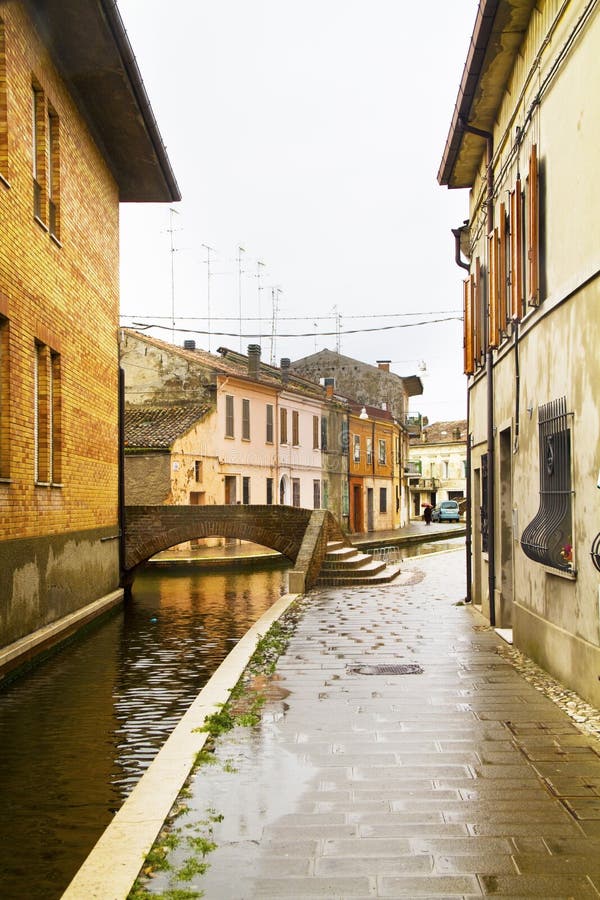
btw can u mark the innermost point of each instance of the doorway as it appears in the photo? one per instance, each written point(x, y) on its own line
point(506, 531)
point(230, 489)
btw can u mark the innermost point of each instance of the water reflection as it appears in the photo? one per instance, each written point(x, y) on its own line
point(78, 731)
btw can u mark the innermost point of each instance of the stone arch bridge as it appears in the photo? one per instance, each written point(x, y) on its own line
point(299, 534)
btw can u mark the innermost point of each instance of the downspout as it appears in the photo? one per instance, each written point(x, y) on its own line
point(469, 527)
point(517, 385)
point(489, 143)
point(121, 478)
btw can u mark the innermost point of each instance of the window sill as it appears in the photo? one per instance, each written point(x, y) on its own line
point(55, 240)
point(57, 484)
point(41, 223)
point(568, 574)
point(4, 181)
point(41, 484)
point(5, 480)
point(230, 437)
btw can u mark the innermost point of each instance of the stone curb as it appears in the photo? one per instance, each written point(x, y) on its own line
point(114, 863)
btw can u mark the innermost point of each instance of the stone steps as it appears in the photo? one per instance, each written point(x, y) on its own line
point(346, 565)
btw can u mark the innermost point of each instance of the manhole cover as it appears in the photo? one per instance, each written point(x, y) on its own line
point(408, 669)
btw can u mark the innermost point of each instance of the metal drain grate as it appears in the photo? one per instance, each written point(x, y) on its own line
point(408, 669)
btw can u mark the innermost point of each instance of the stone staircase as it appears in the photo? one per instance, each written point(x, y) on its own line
point(346, 565)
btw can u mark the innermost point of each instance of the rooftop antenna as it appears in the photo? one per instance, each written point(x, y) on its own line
point(239, 262)
point(259, 265)
point(275, 292)
point(209, 250)
point(170, 229)
point(338, 329)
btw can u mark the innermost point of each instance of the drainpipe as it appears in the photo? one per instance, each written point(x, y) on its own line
point(517, 385)
point(457, 258)
point(489, 142)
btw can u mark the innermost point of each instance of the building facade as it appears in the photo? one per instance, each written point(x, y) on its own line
point(375, 387)
point(76, 138)
point(524, 139)
point(437, 465)
point(373, 470)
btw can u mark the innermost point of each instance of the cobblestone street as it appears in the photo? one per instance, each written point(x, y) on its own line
point(454, 778)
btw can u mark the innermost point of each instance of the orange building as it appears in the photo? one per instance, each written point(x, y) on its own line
point(373, 469)
point(77, 136)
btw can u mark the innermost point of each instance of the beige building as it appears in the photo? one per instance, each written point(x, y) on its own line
point(524, 139)
point(437, 465)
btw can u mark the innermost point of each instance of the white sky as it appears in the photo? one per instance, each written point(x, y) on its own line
point(310, 134)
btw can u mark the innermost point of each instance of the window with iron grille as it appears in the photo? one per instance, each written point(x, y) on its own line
point(484, 503)
point(548, 539)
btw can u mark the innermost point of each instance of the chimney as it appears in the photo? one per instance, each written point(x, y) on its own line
point(189, 345)
point(384, 364)
point(285, 370)
point(253, 360)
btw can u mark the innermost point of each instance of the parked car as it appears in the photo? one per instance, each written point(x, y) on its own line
point(446, 511)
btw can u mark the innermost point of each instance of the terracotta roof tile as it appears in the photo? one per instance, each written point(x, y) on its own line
point(157, 427)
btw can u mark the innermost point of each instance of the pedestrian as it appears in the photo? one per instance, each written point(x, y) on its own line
point(427, 514)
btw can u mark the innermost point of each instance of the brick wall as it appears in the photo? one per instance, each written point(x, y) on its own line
point(64, 296)
point(60, 291)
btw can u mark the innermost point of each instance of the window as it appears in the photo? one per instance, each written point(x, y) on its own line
point(325, 494)
point(315, 432)
point(3, 108)
point(356, 454)
point(295, 428)
point(4, 398)
point(53, 174)
point(47, 456)
point(548, 539)
point(229, 423)
point(245, 420)
point(295, 492)
point(283, 429)
point(269, 491)
point(324, 435)
point(246, 489)
point(382, 452)
point(269, 434)
point(382, 500)
point(198, 470)
point(316, 494)
point(38, 150)
point(369, 451)
point(483, 509)
point(445, 468)
point(345, 498)
point(345, 437)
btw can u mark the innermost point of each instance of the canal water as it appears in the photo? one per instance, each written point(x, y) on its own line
point(77, 731)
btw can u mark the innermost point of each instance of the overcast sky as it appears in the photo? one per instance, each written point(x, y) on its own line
point(310, 134)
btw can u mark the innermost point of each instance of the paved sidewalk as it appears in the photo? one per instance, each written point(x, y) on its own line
point(458, 781)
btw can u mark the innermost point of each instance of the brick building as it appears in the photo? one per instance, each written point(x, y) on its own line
point(77, 136)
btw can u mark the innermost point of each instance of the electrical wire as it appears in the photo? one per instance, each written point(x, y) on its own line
point(431, 312)
point(311, 334)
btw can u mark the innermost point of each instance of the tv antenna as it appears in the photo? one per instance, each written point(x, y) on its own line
point(209, 250)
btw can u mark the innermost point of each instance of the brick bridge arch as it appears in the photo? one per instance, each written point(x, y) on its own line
point(292, 531)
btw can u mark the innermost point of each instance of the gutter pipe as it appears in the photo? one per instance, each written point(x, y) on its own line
point(490, 496)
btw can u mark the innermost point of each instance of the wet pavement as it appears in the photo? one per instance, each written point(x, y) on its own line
point(453, 777)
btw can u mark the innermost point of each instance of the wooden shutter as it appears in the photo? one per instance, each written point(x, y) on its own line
point(516, 249)
point(478, 338)
point(469, 361)
point(493, 292)
point(504, 312)
point(533, 255)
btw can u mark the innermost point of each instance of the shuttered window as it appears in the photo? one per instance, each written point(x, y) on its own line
point(493, 290)
point(245, 420)
point(229, 420)
point(283, 428)
point(469, 358)
point(503, 270)
point(269, 432)
point(315, 432)
point(533, 235)
point(516, 250)
point(295, 428)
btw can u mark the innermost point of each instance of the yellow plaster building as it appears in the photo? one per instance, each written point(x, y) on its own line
point(524, 139)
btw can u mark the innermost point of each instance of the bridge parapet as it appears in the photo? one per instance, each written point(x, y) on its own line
point(150, 529)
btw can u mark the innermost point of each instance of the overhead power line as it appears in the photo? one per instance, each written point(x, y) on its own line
point(404, 315)
point(236, 334)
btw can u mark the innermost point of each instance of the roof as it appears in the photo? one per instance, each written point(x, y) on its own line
point(158, 427)
point(412, 384)
point(442, 433)
point(235, 364)
point(497, 36)
point(90, 48)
